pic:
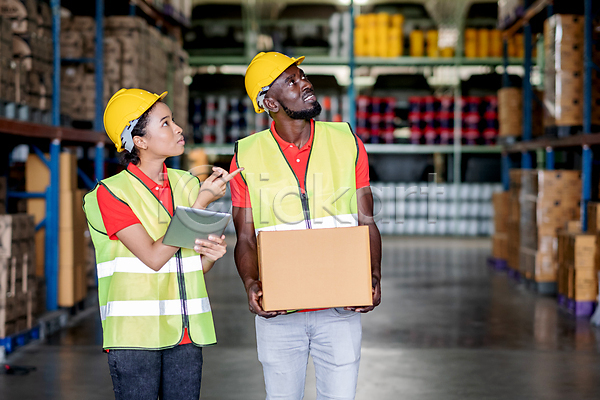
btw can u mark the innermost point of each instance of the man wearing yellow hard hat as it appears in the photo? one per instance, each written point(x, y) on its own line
point(292, 154)
point(155, 312)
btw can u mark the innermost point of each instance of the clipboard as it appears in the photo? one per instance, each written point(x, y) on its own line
point(189, 224)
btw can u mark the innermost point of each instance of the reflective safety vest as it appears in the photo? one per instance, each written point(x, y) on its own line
point(142, 308)
point(277, 201)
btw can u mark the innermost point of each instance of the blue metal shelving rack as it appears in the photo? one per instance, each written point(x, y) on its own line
point(584, 141)
point(51, 195)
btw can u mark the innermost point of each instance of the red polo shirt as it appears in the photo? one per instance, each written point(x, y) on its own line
point(298, 160)
point(117, 215)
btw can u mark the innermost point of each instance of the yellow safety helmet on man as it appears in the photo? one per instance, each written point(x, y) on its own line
point(262, 72)
point(122, 112)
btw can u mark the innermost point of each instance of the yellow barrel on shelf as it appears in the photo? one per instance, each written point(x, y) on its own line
point(382, 33)
point(495, 43)
point(417, 43)
point(371, 34)
point(470, 43)
point(447, 52)
point(395, 42)
point(432, 43)
point(397, 20)
point(519, 50)
point(483, 43)
point(360, 45)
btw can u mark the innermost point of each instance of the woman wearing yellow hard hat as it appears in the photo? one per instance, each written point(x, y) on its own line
point(154, 307)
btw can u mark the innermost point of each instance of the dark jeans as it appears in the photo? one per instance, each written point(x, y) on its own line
point(172, 374)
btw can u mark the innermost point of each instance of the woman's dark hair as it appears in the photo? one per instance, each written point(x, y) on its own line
point(139, 130)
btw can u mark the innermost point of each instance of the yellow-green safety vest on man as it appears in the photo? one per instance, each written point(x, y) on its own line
point(142, 308)
point(275, 193)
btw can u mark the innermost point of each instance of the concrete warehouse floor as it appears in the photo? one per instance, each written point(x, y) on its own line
point(448, 328)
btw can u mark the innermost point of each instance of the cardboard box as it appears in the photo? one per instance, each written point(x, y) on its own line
point(585, 284)
point(500, 246)
point(593, 222)
point(315, 268)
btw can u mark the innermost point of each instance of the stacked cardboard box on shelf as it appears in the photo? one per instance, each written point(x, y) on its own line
point(18, 294)
point(72, 273)
point(26, 70)
point(563, 94)
point(510, 112)
point(513, 219)
point(549, 199)
point(578, 264)
point(136, 56)
point(78, 86)
point(501, 205)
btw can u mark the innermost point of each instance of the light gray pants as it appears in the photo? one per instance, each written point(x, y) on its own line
point(331, 336)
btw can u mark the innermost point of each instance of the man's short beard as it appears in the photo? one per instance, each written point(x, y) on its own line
point(306, 115)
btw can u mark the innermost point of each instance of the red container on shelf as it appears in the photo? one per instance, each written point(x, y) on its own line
point(446, 135)
point(415, 104)
point(430, 104)
point(490, 135)
point(387, 135)
point(491, 103)
point(362, 104)
point(429, 119)
point(471, 104)
point(445, 119)
point(470, 136)
point(446, 104)
point(390, 104)
point(375, 120)
point(416, 135)
point(431, 135)
point(414, 119)
point(471, 121)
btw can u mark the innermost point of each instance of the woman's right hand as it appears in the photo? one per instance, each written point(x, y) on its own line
point(214, 187)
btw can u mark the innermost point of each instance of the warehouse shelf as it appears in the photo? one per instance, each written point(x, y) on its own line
point(33, 130)
point(227, 149)
point(406, 61)
point(531, 12)
point(554, 143)
point(583, 141)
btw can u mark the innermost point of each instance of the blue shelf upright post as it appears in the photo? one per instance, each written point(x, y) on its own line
point(55, 5)
point(52, 232)
point(52, 192)
point(549, 158)
point(505, 171)
point(99, 162)
point(588, 67)
point(586, 184)
point(526, 161)
point(352, 64)
point(99, 65)
point(587, 154)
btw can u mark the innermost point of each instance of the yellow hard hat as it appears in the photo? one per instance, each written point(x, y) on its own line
point(262, 72)
point(123, 110)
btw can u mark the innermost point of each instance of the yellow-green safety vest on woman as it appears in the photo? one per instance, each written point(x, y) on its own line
point(276, 198)
point(142, 308)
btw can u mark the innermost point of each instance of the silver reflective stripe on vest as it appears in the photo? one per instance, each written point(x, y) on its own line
point(153, 308)
point(135, 266)
point(332, 221)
